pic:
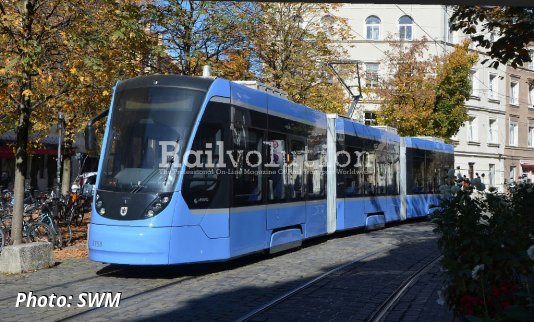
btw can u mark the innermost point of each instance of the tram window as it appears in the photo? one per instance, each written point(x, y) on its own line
point(382, 173)
point(276, 167)
point(445, 166)
point(431, 172)
point(353, 174)
point(418, 171)
point(316, 169)
point(239, 123)
point(341, 182)
point(370, 173)
point(247, 175)
point(393, 183)
point(290, 127)
point(203, 187)
point(295, 170)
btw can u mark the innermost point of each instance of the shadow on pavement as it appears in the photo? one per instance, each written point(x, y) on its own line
point(351, 294)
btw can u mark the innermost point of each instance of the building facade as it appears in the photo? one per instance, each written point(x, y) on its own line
point(519, 148)
point(480, 142)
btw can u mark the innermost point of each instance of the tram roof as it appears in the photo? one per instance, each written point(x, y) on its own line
point(196, 83)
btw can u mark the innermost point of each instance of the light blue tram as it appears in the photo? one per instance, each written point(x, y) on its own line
point(200, 169)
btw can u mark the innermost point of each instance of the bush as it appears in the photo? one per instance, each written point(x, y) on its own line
point(484, 239)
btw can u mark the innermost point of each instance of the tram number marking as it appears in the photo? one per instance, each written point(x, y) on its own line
point(97, 243)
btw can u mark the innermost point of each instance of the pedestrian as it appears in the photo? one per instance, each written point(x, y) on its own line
point(465, 182)
point(459, 174)
point(477, 182)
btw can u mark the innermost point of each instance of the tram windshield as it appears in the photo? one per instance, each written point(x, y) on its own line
point(148, 131)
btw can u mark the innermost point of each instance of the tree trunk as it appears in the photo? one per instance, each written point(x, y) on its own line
point(21, 156)
point(65, 177)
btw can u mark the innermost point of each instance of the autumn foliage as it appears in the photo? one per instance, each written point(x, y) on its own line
point(293, 42)
point(65, 56)
point(425, 95)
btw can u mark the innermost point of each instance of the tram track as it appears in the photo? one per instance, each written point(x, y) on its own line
point(378, 250)
point(315, 280)
point(131, 297)
point(379, 314)
point(265, 307)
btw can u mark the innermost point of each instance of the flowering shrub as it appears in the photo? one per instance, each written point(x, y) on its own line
point(488, 252)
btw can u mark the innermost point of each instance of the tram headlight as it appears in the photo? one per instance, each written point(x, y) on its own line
point(160, 203)
point(99, 206)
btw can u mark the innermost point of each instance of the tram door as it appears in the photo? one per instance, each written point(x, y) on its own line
point(248, 209)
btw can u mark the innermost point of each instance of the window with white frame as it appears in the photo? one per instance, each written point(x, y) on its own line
point(471, 129)
point(372, 26)
point(451, 36)
point(513, 175)
point(491, 175)
point(513, 133)
point(531, 136)
point(327, 22)
point(405, 28)
point(474, 83)
point(514, 93)
point(492, 131)
point(371, 74)
point(531, 96)
point(493, 86)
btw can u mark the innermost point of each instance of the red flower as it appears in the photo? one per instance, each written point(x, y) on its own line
point(468, 303)
point(505, 304)
point(495, 291)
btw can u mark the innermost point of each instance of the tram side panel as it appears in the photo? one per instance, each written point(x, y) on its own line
point(427, 165)
point(368, 176)
point(201, 226)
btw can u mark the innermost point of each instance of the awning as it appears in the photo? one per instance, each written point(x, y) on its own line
point(6, 152)
point(527, 164)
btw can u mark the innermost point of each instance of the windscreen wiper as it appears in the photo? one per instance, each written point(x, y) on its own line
point(170, 161)
point(141, 184)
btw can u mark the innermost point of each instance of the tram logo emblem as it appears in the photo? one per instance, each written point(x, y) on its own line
point(124, 210)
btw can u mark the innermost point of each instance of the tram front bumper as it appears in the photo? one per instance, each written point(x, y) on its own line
point(129, 244)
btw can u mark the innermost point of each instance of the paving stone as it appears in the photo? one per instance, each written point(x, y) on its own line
point(227, 291)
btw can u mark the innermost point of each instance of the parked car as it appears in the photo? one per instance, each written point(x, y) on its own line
point(86, 181)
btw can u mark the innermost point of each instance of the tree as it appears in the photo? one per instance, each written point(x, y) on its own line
point(425, 96)
point(408, 96)
point(512, 29)
point(453, 89)
point(199, 32)
point(236, 65)
point(32, 36)
point(112, 42)
point(53, 48)
point(115, 42)
point(292, 43)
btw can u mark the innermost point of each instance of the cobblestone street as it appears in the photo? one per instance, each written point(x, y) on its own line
point(228, 291)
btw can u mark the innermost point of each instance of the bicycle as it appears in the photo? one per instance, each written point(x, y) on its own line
point(31, 231)
point(47, 216)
